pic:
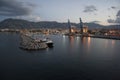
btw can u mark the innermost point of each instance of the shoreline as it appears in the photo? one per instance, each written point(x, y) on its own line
point(92, 36)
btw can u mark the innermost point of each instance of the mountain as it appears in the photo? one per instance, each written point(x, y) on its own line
point(24, 24)
point(16, 24)
point(113, 27)
point(94, 25)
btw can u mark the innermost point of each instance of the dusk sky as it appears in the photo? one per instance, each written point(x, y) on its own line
point(100, 11)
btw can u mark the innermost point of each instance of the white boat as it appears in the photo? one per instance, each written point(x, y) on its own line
point(48, 42)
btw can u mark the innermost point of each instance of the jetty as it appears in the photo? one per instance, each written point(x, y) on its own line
point(29, 42)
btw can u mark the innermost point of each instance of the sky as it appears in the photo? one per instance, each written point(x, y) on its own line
point(104, 12)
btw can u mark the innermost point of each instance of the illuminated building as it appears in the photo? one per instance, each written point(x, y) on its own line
point(85, 29)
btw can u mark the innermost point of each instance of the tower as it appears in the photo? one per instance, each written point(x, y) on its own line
point(69, 25)
point(81, 26)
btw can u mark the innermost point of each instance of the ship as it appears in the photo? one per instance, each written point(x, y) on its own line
point(49, 42)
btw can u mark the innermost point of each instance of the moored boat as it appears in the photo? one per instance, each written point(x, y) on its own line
point(49, 43)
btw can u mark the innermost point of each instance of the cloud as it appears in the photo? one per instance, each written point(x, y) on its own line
point(95, 21)
point(118, 14)
point(90, 8)
point(14, 8)
point(34, 18)
point(31, 17)
point(30, 4)
point(111, 21)
point(117, 20)
point(118, 17)
point(113, 7)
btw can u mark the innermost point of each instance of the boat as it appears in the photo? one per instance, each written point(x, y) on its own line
point(48, 41)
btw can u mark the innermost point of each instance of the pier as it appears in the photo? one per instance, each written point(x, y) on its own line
point(30, 42)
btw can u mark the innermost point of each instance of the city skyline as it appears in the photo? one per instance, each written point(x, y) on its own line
point(104, 12)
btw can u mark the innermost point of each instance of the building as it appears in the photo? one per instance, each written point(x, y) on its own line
point(85, 29)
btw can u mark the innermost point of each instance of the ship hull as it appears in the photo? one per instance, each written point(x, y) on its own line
point(50, 44)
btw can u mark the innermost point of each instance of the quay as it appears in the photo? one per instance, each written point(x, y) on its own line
point(105, 37)
point(96, 36)
point(84, 32)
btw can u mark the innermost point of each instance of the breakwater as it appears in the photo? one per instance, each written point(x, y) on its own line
point(29, 43)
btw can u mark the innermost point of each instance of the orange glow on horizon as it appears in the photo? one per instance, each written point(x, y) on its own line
point(89, 40)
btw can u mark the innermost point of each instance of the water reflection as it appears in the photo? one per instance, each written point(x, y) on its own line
point(113, 43)
point(78, 38)
point(78, 43)
point(71, 59)
point(83, 40)
point(64, 39)
point(106, 43)
point(88, 43)
point(71, 40)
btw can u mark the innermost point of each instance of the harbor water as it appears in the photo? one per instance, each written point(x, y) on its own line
point(71, 58)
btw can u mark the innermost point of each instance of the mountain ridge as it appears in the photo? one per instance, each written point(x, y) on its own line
point(24, 24)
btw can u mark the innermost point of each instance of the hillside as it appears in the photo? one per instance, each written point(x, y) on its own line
point(24, 24)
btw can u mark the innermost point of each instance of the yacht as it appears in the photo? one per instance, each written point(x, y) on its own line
point(48, 41)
